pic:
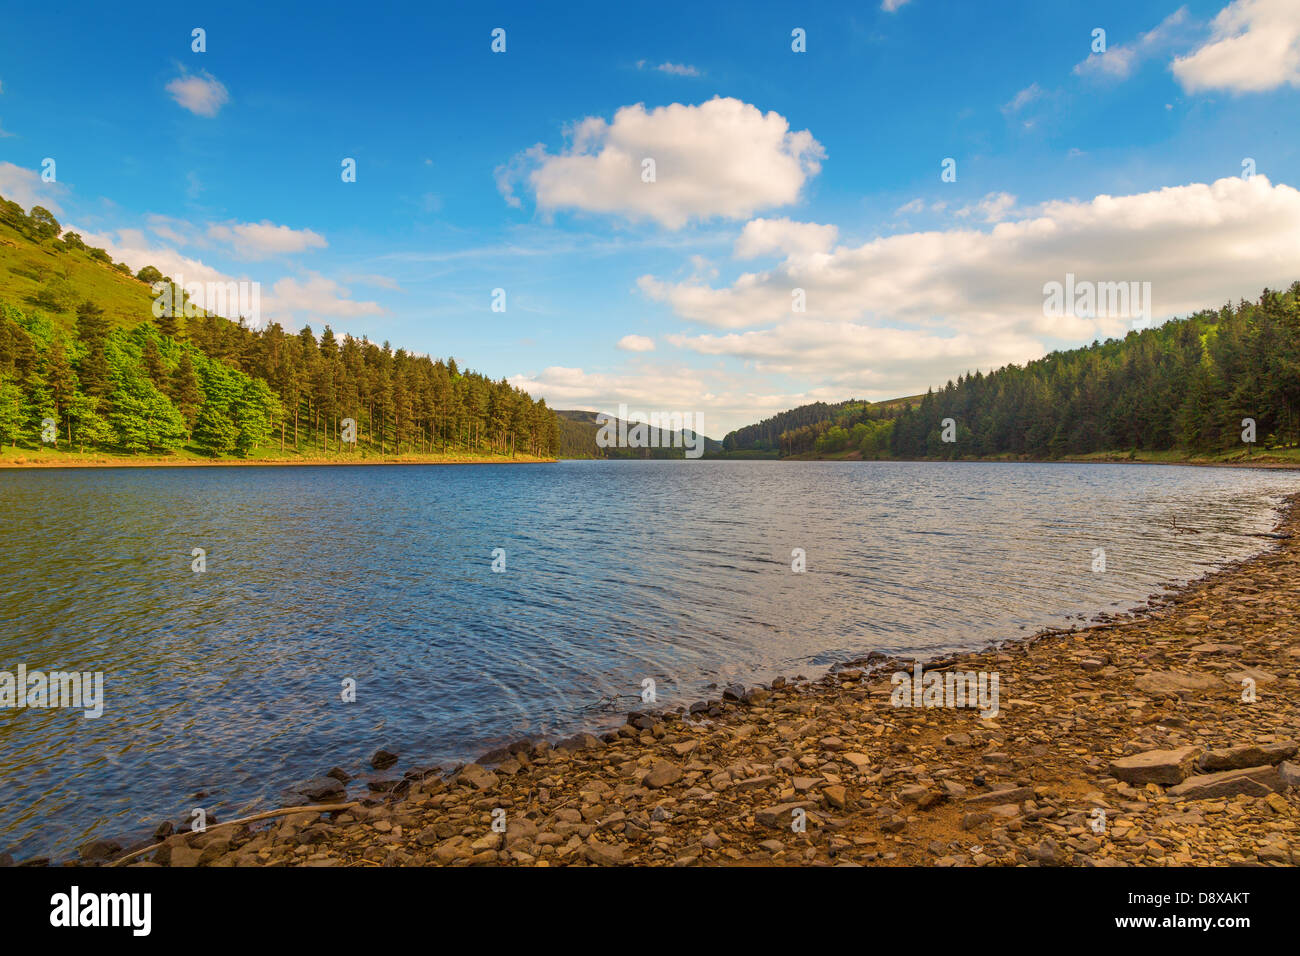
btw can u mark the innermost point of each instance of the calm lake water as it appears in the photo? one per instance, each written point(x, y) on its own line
point(227, 682)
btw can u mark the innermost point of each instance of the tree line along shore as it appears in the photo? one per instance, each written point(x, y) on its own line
point(1181, 390)
point(89, 365)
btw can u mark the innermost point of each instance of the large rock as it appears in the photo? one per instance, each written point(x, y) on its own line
point(602, 854)
point(1156, 766)
point(1175, 682)
point(321, 788)
point(997, 797)
point(662, 774)
point(477, 777)
point(579, 742)
point(1251, 673)
point(1290, 773)
point(781, 815)
point(1248, 755)
point(1252, 781)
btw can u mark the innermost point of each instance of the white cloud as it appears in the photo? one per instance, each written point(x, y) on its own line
point(763, 236)
point(315, 296)
point(131, 246)
point(863, 359)
point(904, 308)
point(25, 187)
point(1023, 98)
point(1116, 63)
point(725, 400)
point(1120, 60)
point(723, 158)
point(176, 231)
point(289, 298)
point(992, 208)
point(636, 343)
point(679, 69)
point(1254, 47)
point(259, 240)
point(201, 94)
point(889, 6)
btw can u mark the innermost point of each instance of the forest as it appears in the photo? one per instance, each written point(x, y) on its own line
point(71, 379)
point(1184, 386)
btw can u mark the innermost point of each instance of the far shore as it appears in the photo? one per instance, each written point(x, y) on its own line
point(38, 460)
point(1260, 461)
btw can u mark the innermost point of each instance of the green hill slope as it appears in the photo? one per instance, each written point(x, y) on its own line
point(31, 264)
point(86, 368)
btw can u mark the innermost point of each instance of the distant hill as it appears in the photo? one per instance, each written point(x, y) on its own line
point(765, 436)
point(578, 430)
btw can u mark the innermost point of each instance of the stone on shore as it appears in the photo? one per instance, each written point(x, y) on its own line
point(1175, 682)
point(1252, 781)
point(662, 774)
point(1249, 755)
point(780, 817)
point(1156, 766)
point(480, 778)
point(996, 797)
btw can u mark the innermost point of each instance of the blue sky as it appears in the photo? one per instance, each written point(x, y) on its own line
point(775, 170)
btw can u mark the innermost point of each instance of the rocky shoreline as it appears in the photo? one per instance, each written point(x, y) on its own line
point(1124, 743)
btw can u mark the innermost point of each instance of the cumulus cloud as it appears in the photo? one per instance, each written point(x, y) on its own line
point(316, 295)
point(903, 307)
point(763, 236)
point(636, 343)
point(992, 208)
point(1120, 60)
point(260, 240)
point(132, 247)
point(861, 358)
point(723, 158)
point(1254, 47)
point(726, 400)
point(202, 93)
point(288, 299)
point(25, 187)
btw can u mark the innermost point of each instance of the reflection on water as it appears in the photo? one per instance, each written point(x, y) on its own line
point(224, 686)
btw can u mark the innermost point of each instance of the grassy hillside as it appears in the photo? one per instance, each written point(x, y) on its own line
point(27, 267)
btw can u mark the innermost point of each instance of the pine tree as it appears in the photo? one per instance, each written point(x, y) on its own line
point(92, 334)
point(184, 389)
point(62, 381)
point(153, 365)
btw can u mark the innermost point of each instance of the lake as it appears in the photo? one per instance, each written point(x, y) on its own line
point(223, 687)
